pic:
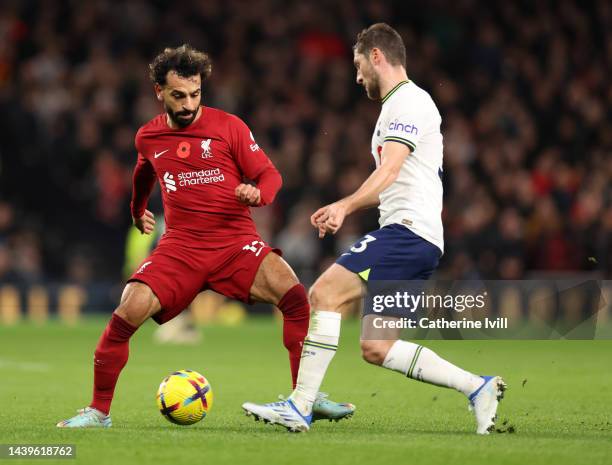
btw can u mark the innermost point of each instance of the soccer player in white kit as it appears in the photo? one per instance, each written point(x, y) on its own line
point(407, 188)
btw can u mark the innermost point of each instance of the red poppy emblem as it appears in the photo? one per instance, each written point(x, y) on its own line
point(183, 150)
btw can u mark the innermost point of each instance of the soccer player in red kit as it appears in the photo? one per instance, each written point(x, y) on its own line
point(200, 156)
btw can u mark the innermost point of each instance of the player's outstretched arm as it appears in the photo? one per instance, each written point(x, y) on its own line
point(329, 218)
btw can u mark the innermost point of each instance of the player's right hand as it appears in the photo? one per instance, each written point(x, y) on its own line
point(318, 220)
point(248, 195)
point(146, 223)
point(329, 219)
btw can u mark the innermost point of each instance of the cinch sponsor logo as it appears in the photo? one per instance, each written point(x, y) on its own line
point(401, 127)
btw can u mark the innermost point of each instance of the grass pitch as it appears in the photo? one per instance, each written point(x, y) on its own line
point(559, 401)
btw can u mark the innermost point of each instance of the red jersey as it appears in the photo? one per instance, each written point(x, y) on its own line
point(198, 168)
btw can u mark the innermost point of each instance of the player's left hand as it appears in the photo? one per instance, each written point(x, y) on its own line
point(329, 219)
point(248, 195)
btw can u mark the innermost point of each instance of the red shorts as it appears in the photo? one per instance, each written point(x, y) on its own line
point(179, 268)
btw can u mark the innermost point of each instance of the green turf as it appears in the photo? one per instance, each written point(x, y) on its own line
point(562, 414)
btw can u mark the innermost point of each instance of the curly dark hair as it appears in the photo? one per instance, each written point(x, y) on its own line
point(185, 60)
point(384, 37)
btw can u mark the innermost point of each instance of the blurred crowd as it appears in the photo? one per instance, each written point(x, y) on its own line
point(523, 87)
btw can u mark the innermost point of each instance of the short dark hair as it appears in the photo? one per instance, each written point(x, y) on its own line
point(185, 60)
point(384, 37)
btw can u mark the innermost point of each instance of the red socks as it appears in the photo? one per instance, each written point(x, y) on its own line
point(109, 359)
point(113, 347)
point(296, 316)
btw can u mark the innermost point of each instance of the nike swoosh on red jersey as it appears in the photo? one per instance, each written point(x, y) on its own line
point(157, 155)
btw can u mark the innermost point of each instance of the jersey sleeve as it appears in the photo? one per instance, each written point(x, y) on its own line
point(249, 157)
point(406, 124)
point(143, 181)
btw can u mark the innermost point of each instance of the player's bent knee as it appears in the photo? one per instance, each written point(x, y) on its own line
point(322, 299)
point(374, 352)
point(323, 296)
point(138, 303)
point(132, 314)
point(335, 289)
point(274, 279)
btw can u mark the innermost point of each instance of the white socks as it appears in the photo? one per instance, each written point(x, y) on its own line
point(418, 362)
point(412, 360)
point(319, 348)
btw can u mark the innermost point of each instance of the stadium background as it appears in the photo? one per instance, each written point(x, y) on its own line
point(523, 88)
point(525, 93)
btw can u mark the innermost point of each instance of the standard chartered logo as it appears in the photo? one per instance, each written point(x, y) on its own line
point(191, 178)
point(169, 182)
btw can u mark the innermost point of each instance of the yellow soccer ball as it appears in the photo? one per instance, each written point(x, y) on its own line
point(184, 397)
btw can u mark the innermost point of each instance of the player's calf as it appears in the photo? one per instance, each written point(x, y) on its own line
point(276, 283)
point(110, 357)
point(296, 315)
point(375, 352)
point(138, 302)
point(420, 363)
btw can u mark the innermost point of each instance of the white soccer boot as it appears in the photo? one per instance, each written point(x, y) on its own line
point(484, 402)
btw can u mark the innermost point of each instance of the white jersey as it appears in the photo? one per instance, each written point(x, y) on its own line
point(409, 116)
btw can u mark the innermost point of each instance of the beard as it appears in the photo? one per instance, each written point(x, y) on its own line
point(372, 87)
point(181, 118)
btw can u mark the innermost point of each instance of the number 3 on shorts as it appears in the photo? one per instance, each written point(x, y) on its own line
point(363, 244)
